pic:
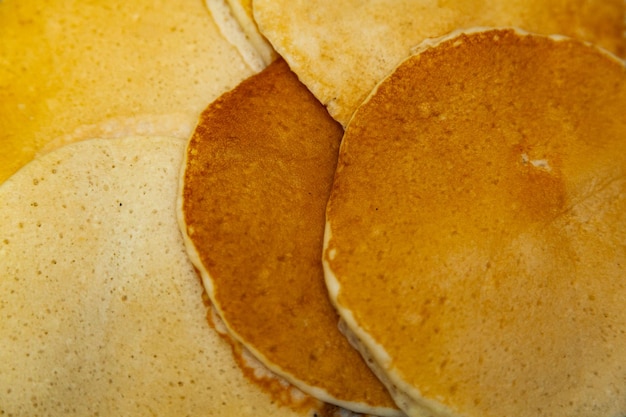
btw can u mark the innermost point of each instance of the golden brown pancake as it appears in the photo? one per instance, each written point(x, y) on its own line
point(70, 71)
point(101, 311)
point(341, 49)
point(476, 235)
point(255, 184)
point(281, 391)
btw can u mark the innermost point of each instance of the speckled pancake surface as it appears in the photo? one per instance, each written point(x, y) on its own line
point(341, 49)
point(72, 70)
point(101, 312)
point(476, 229)
point(256, 180)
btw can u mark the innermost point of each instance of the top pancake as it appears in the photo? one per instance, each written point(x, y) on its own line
point(70, 70)
point(102, 312)
point(257, 177)
point(341, 49)
point(476, 229)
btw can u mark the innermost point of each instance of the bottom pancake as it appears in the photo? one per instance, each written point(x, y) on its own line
point(476, 230)
point(254, 189)
point(101, 312)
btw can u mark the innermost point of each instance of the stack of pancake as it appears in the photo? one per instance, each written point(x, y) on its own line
point(313, 209)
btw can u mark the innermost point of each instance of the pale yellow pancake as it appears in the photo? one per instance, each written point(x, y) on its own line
point(476, 235)
point(341, 49)
point(256, 180)
point(71, 70)
point(236, 21)
point(101, 312)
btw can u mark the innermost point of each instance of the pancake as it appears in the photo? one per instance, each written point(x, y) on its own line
point(476, 229)
point(281, 390)
point(237, 23)
point(102, 312)
point(341, 49)
point(254, 188)
point(70, 71)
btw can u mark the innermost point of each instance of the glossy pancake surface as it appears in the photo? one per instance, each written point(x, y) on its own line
point(101, 311)
point(476, 229)
point(254, 189)
point(73, 70)
point(341, 49)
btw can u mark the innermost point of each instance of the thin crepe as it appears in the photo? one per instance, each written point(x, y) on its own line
point(475, 243)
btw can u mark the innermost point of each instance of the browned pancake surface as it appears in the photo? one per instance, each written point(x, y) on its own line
point(258, 174)
point(341, 49)
point(477, 241)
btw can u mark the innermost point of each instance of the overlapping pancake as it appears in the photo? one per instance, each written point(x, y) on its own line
point(254, 189)
point(476, 229)
point(341, 49)
point(71, 70)
point(101, 311)
point(236, 21)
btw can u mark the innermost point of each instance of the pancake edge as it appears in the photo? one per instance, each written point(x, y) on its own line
point(377, 357)
point(409, 398)
point(254, 50)
point(205, 276)
point(429, 43)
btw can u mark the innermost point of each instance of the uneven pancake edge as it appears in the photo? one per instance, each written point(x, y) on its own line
point(377, 357)
point(407, 396)
point(245, 18)
point(275, 386)
point(207, 281)
point(194, 257)
point(250, 46)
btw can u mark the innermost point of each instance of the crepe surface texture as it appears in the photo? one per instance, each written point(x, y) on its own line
point(476, 229)
point(102, 313)
point(256, 180)
point(341, 49)
point(72, 70)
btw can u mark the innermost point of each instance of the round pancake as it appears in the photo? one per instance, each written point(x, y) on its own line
point(151, 66)
point(476, 229)
point(341, 49)
point(101, 311)
point(256, 180)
